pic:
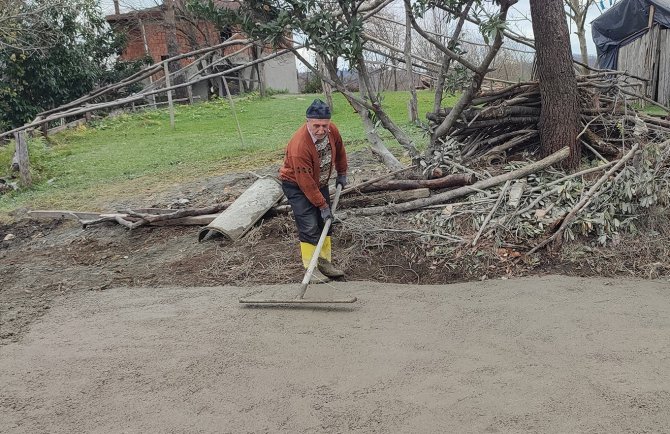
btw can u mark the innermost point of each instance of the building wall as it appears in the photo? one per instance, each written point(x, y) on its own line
point(281, 74)
point(648, 57)
point(205, 35)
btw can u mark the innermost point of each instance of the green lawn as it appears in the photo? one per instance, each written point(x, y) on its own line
point(134, 152)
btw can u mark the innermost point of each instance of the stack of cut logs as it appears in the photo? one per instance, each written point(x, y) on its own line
point(504, 122)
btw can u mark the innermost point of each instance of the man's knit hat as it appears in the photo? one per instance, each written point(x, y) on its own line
point(318, 110)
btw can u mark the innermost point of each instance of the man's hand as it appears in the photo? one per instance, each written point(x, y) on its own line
point(325, 213)
point(341, 180)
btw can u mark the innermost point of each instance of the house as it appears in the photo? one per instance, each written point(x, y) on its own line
point(145, 30)
point(634, 36)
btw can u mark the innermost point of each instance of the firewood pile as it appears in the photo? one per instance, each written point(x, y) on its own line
point(504, 122)
point(625, 173)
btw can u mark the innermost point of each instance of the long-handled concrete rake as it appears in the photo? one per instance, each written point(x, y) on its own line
point(308, 274)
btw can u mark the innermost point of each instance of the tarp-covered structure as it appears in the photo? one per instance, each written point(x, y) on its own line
point(634, 36)
point(625, 21)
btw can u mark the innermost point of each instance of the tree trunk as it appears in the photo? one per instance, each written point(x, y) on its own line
point(152, 99)
point(402, 138)
point(173, 46)
point(412, 103)
point(377, 146)
point(577, 11)
point(395, 74)
point(581, 35)
point(559, 119)
point(446, 60)
point(325, 86)
point(260, 70)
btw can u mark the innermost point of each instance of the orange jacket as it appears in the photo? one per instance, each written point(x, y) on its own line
point(302, 165)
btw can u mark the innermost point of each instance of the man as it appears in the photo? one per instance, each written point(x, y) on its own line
point(311, 155)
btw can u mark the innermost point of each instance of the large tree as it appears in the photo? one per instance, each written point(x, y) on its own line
point(559, 118)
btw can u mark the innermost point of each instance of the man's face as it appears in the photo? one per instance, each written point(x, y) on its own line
point(318, 127)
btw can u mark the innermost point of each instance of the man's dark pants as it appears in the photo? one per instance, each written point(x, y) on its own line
point(307, 216)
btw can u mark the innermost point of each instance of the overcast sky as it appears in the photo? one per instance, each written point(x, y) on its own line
point(518, 17)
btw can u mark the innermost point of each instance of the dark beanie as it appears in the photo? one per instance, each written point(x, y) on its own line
point(318, 110)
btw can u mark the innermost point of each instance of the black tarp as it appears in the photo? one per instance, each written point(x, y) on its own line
point(624, 22)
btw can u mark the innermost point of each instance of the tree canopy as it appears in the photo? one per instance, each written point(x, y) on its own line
point(52, 52)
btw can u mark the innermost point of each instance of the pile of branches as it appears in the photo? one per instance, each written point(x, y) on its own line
point(527, 207)
point(526, 204)
point(505, 122)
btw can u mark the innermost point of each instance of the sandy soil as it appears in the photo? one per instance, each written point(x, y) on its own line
point(552, 354)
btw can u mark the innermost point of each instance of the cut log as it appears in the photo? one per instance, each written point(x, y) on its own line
point(600, 145)
point(177, 214)
point(510, 144)
point(370, 181)
point(462, 191)
point(456, 180)
point(384, 198)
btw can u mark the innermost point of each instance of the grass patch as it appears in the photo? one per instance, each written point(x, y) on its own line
point(131, 153)
point(649, 109)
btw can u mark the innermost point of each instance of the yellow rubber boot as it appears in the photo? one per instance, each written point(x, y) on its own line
point(307, 251)
point(325, 260)
point(326, 250)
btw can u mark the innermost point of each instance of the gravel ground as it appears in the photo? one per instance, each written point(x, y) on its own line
point(549, 354)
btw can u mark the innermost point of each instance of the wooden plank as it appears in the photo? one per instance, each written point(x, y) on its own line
point(635, 58)
point(664, 69)
point(22, 157)
point(656, 55)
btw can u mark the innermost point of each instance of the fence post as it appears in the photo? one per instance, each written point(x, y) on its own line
point(169, 93)
point(189, 91)
point(22, 156)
